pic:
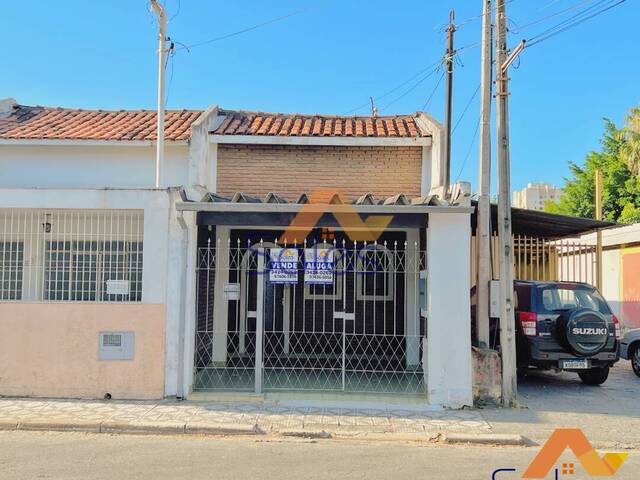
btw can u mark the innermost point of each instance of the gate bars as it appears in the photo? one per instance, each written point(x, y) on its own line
point(362, 332)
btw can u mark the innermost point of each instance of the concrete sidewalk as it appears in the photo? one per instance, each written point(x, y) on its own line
point(219, 418)
point(609, 415)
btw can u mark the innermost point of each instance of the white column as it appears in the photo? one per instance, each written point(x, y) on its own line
point(412, 307)
point(220, 305)
point(190, 304)
point(447, 357)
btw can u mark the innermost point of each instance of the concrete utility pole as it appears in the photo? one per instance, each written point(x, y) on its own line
point(483, 228)
point(162, 54)
point(449, 102)
point(598, 187)
point(507, 320)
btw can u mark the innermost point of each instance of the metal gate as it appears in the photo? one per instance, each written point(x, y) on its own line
point(360, 331)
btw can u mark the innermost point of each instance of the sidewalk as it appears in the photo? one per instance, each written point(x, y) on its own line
point(609, 415)
point(216, 418)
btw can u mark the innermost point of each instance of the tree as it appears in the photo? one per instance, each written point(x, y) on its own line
point(621, 187)
point(631, 134)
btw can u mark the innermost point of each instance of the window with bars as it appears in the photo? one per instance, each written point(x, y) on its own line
point(93, 271)
point(11, 270)
point(71, 255)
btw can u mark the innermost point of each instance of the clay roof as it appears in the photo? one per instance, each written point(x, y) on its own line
point(303, 125)
point(36, 122)
point(29, 122)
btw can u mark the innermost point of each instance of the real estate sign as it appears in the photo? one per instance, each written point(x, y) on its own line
point(283, 265)
point(318, 266)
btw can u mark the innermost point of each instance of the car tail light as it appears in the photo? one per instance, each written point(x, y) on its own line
point(616, 324)
point(529, 323)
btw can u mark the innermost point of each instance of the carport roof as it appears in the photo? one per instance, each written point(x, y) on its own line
point(543, 224)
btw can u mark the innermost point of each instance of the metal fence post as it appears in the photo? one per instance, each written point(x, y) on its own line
point(259, 321)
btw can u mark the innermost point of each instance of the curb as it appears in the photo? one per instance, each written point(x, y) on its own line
point(131, 429)
point(302, 434)
point(488, 439)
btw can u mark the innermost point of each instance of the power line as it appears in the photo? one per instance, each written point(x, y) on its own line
point(244, 30)
point(413, 87)
point(564, 26)
point(433, 92)
point(547, 17)
point(465, 109)
point(396, 88)
point(473, 141)
point(177, 11)
point(414, 76)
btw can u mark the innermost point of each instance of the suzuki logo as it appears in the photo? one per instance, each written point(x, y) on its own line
point(589, 331)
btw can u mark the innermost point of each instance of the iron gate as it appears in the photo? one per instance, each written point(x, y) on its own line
point(361, 331)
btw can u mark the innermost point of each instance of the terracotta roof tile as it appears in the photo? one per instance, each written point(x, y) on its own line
point(259, 123)
point(28, 122)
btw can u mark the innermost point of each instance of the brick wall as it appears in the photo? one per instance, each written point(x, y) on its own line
point(289, 170)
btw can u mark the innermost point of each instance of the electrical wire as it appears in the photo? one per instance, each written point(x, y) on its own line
point(415, 75)
point(473, 141)
point(413, 87)
point(568, 24)
point(465, 109)
point(177, 11)
point(433, 92)
point(244, 30)
point(396, 88)
point(547, 17)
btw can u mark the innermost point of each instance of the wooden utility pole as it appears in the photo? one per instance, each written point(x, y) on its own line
point(598, 187)
point(507, 320)
point(449, 103)
point(483, 228)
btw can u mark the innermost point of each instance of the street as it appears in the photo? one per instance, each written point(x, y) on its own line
point(29, 455)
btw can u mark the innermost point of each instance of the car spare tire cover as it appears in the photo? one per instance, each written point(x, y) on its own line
point(584, 331)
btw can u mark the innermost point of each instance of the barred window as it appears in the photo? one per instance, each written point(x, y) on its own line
point(11, 270)
point(71, 255)
point(93, 271)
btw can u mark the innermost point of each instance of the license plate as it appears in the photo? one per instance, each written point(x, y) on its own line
point(575, 364)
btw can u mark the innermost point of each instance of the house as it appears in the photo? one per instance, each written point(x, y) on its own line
point(283, 252)
point(620, 266)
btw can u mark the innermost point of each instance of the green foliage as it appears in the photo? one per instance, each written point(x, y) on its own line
point(621, 187)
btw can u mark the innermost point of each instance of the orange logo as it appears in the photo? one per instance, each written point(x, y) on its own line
point(573, 438)
point(333, 201)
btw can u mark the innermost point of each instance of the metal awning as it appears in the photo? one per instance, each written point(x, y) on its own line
point(543, 224)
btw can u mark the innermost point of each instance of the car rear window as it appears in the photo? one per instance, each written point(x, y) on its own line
point(554, 298)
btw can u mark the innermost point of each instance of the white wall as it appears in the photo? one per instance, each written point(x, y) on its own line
point(164, 253)
point(89, 166)
point(448, 343)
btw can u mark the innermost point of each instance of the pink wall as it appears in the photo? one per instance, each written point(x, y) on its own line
point(631, 287)
point(51, 350)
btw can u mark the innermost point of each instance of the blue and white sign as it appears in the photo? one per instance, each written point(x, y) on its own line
point(318, 266)
point(283, 265)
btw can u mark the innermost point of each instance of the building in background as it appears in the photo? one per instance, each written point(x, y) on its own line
point(535, 195)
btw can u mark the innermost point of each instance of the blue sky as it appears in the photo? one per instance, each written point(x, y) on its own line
point(329, 59)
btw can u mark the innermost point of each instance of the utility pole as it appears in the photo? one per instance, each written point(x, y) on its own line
point(507, 320)
point(162, 52)
point(449, 99)
point(483, 227)
point(599, 231)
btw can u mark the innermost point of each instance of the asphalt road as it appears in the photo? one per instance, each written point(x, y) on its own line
point(39, 455)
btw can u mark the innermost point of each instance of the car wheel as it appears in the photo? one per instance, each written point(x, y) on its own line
point(594, 376)
point(635, 360)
